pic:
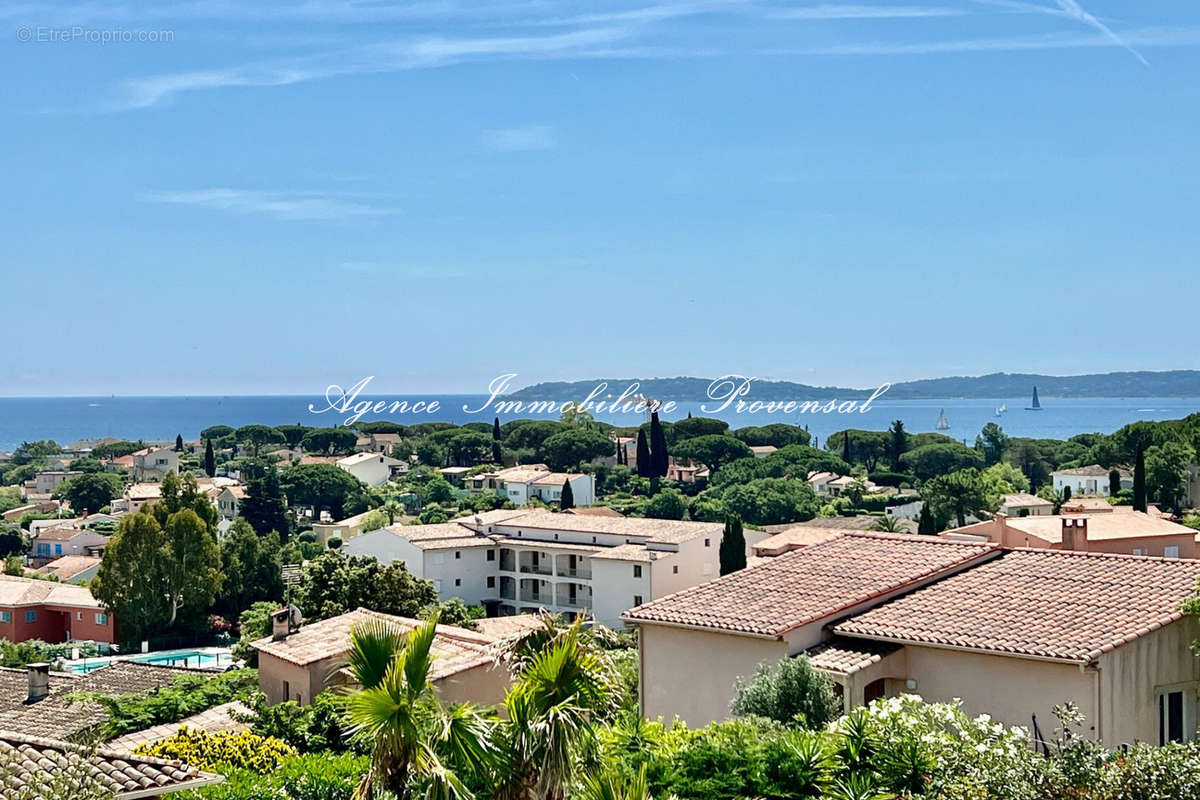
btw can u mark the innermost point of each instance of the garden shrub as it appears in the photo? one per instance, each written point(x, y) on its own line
point(237, 749)
point(790, 691)
point(309, 777)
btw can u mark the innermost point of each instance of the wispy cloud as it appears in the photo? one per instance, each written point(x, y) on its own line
point(375, 58)
point(529, 137)
point(288, 206)
point(1144, 37)
point(1076, 11)
point(850, 11)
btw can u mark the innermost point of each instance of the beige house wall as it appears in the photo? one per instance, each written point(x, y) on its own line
point(1011, 690)
point(691, 674)
point(1131, 674)
point(484, 685)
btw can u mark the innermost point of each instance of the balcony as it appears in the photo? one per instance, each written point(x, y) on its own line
point(573, 566)
point(535, 591)
point(574, 595)
point(508, 560)
point(508, 588)
point(535, 563)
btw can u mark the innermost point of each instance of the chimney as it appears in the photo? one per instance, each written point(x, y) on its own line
point(39, 681)
point(1002, 529)
point(1074, 533)
point(280, 624)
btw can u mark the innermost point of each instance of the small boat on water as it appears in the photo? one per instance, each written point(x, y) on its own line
point(943, 423)
point(1001, 409)
point(1035, 405)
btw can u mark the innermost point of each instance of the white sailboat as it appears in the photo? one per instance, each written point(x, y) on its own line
point(943, 423)
point(1001, 409)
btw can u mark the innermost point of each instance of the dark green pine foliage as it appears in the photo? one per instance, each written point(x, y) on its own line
point(925, 524)
point(659, 458)
point(1066, 493)
point(568, 497)
point(210, 460)
point(733, 545)
point(497, 456)
point(179, 443)
point(265, 506)
point(643, 455)
point(1114, 482)
point(1139, 478)
point(846, 447)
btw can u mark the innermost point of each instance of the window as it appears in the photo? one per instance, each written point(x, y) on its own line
point(491, 582)
point(1171, 552)
point(458, 581)
point(102, 619)
point(79, 616)
point(637, 570)
point(1170, 717)
point(637, 599)
point(1140, 551)
point(437, 585)
point(58, 549)
point(675, 570)
point(708, 542)
point(5, 616)
point(31, 616)
point(287, 691)
point(491, 555)
point(458, 553)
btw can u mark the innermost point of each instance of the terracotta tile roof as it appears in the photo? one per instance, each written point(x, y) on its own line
point(1120, 524)
point(503, 628)
point(623, 552)
point(796, 538)
point(811, 584)
point(594, 511)
point(68, 567)
point(62, 533)
point(846, 656)
point(454, 649)
point(1091, 471)
point(30, 760)
point(14, 686)
point(213, 720)
point(54, 717)
point(16, 591)
point(1020, 499)
point(1053, 604)
point(438, 536)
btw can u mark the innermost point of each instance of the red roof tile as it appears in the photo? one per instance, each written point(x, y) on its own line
point(811, 584)
point(1052, 604)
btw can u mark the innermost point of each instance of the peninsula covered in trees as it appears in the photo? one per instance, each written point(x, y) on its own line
point(1173, 383)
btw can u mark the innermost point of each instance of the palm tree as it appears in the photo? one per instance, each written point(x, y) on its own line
point(392, 509)
point(562, 693)
point(887, 524)
point(415, 738)
point(612, 787)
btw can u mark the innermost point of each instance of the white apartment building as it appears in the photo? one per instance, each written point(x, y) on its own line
point(1092, 479)
point(519, 484)
point(519, 562)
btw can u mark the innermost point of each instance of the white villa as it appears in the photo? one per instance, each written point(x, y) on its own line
point(519, 484)
point(373, 469)
point(1092, 479)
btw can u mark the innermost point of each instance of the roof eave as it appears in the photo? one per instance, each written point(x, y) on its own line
point(961, 649)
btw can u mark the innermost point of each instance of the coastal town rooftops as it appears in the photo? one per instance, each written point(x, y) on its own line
point(438, 536)
point(811, 584)
point(1049, 604)
point(32, 763)
point(796, 538)
point(454, 649)
point(1022, 500)
point(650, 530)
point(556, 478)
point(68, 567)
point(17, 591)
point(61, 533)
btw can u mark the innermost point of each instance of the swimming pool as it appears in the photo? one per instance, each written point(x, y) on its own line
point(213, 658)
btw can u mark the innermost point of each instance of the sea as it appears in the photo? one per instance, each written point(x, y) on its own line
point(69, 419)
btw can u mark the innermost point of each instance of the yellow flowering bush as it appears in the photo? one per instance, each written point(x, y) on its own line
point(203, 750)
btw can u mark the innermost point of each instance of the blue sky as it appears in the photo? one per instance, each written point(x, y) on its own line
point(288, 195)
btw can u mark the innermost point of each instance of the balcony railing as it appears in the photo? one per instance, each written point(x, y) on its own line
point(582, 571)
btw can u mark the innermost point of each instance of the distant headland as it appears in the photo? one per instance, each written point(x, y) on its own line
point(1172, 383)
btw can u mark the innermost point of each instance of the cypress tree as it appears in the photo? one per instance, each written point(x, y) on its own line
point(497, 456)
point(846, 447)
point(568, 497)
point(1139, 479)
point(1066, 494)
point(210, 459)
point(179, 443)
point(1114, 481)
point(643, 455)
point(659, 458)
point(265, 506)
point(733, 545)
point(925, 525)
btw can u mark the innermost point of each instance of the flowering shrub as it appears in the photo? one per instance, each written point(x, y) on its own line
point(203, 750)
point(312, 777)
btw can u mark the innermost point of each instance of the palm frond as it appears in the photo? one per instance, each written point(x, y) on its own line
point(374, 644)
